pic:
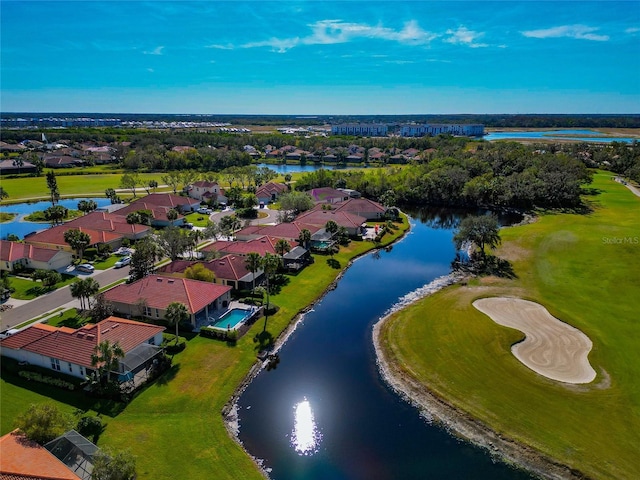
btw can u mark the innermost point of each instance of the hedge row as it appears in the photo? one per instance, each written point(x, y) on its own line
point(36, 377)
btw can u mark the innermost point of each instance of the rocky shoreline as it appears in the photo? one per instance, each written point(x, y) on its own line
point(457, 422)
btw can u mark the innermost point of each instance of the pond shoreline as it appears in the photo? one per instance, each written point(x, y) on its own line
point(439, 411)
point(230, 409)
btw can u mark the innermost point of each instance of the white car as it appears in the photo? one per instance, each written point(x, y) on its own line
point(122, 262)
point(85, 267)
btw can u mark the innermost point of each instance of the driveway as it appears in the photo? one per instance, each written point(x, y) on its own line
point(50, 301)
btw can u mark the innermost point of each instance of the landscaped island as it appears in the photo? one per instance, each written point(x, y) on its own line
point(444, 353)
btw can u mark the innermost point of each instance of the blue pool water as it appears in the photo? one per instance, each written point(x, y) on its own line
point(232, 318)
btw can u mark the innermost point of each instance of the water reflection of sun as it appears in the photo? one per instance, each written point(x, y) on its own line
point(306, 436)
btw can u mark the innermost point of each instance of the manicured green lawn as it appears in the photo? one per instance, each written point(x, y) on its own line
point(198, 219)
point(68, 318)
point(29, 289)
point(574, 266)
point(175, 427)
point(70, 185)
point(108, 263)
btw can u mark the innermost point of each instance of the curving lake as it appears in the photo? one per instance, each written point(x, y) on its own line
point(325, 413)
point(21, 228)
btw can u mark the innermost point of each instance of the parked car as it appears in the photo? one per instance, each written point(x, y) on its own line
point(85, 267)
point(205, 211)
point(187, 225)
point(122, 262)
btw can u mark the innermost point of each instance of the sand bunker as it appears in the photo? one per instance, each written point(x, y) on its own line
point(551, 347)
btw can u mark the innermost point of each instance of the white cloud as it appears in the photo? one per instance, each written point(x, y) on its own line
point(328, 32)
point(580, 32)
point(221, 47)
point(155, 51)
point(464, 36)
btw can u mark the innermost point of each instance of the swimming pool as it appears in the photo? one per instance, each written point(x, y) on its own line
point(232, 319)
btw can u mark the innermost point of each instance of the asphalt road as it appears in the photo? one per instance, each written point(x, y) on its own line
point(55, 299)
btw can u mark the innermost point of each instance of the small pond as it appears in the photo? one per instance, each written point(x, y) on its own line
point(21, 228)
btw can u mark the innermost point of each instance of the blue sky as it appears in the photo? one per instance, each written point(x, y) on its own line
point(320, 57)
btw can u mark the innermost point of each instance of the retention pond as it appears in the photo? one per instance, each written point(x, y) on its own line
point(325, 412)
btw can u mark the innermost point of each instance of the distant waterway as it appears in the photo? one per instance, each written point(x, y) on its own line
point(283, 169)
point(22, 228)
point(574, 135)
point(325, 412)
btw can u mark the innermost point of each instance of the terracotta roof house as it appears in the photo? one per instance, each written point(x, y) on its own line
point(23, 459)
point(15, 254)
point(327, 195)
point(260, 245)
point(150, 297)
point(204, 190)
point(318, 217)
point(228, 270)
point(54, 238)
point(62, 161)
point(287, 230)
point(10, 166)
point(168, 200)
point(110, 222)
point(69, 350)
point(158, 213)
point(269, 192)
point(363, 207)
point(183, 148)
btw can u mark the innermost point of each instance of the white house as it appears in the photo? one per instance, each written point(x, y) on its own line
point(15, 255)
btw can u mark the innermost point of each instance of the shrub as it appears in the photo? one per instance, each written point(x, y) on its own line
point(90, 427)
point(271, 309)
point(56, 382)
point(90, 253)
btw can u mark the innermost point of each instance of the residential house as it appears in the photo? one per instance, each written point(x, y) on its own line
point(260, 245)
point(350, 221)
point(269, 192)
point(150, 297)
point(327, 195)
point(24, 459)
point(289, 231)
point(168, 200)
point(158, 214)
point(62, 161)
point(15, 255)
point(8, 167)
point(229, 270)
point(53, 238)
point(205, 191)
point(110, 222)
point(362, 207)
point(69, 350)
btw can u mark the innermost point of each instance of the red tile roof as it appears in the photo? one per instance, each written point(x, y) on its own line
point(77, 346)
point(358, 205)
point(163, 200)
point(157, 212)
point(229, 267)
point(261, 245)
point(161, 291)
point(55, 236)
point(270, 188)
point(321, 217)
point(12, 251)
point(109, 222)
point(204, 184)
point(22, 459)
point(285, 230)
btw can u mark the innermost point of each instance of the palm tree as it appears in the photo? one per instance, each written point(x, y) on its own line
point(253, 262)
point(282, 246)
point(304, 238)
point(172, 214)
point(106, 357)
point(84, 289)
point(271, 263)
point(175, 314)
